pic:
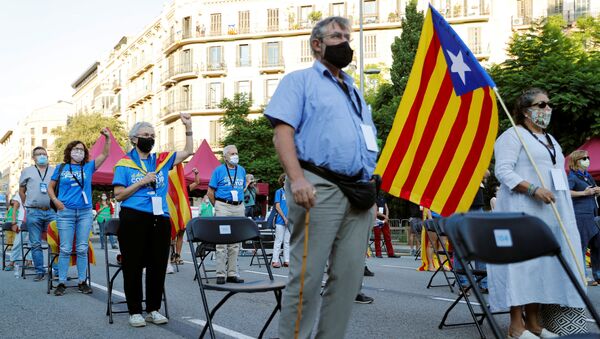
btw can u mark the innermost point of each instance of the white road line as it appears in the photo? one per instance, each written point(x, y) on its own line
point(403, 267)
point(265, 273)
point(217, 328)
point(590, 320)
point(452, 300)
point(221, 329)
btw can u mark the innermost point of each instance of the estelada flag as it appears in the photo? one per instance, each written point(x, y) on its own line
point(54, 243)
point(178, 201)
point(443, 134)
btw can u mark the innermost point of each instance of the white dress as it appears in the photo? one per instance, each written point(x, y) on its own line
point(539, 280)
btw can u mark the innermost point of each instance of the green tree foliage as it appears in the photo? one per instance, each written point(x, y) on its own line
point(549, 57)
point(404, 48)
point(253, 138)
point(86, 128)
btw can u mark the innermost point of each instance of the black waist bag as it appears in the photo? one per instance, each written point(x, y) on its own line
point(361, 194)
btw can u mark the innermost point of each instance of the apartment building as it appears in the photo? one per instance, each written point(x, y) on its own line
point(196, 52)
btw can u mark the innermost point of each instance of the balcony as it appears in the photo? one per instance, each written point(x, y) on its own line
point(116, 110)
point(116, 86)
point(139, 97)
point(179, 73)
point(272, 66)
point(214, 69)
point(140, 67)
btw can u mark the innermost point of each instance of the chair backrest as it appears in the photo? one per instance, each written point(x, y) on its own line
point(429, 224)
point(222, 230)
point(112, 227)
point(500, 238)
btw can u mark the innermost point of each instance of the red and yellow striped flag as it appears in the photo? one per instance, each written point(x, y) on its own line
point(54, 244)
point(178, 201)
point(443, 134)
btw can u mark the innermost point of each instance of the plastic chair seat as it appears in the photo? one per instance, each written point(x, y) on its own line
point(248, 286)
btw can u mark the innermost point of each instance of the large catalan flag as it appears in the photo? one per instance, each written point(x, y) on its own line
point(443, 134)
point(178, 201)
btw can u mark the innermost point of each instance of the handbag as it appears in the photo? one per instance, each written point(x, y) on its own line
point(563, 320)
point(56, 187)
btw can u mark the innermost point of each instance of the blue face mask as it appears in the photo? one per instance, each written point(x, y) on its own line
point(42, 160)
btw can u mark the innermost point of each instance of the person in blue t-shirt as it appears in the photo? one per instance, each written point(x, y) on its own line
point(141, 185)
point(282, 229)
point(226, 193)
point(74, 207)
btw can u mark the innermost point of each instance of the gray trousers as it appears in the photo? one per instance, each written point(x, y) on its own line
point(227, 255)
point(337, 233)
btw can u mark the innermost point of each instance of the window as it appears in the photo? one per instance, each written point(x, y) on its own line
point(186, 97)
point(303, 16)
point(171, 138)
point(273, 19)
point(337, 9)
point(272, 54)
point(215, 58)
point(244, 55)
point(370, 11)
point(187, 27)
point(524, 10)
point(475, 39)
point(215, 133)
point(305, 51)
point(214, 95)
point(215, 24)
point(244, 87)
point(244, 22)
point(270, 86)
point(186, 61)
point(45, 143)
point(555, 7)
point(32, 142)
point(32, 130)
point(582, 7)
point(371, 46)
point(44, 130)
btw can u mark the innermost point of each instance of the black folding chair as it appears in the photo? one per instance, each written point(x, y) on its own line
point(230, 230)
point(25, 249)
point(5, 244)
point(439, 249)
point(505, 238)
point(111, 228)
point(203, 250)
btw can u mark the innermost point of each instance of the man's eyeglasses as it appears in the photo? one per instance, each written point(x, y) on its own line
point(338, 35)
point(541, 104)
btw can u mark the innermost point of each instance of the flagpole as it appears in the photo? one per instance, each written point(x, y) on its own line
point(537, 171)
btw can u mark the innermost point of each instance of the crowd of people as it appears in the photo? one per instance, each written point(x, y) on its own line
point(328, 194)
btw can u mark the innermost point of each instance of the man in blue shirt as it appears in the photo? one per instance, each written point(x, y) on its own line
point(226, 193)
point(323, 128)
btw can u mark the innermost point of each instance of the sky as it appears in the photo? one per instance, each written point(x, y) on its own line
point(47, 44)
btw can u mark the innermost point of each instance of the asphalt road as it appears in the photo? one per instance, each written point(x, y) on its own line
point(403, 307)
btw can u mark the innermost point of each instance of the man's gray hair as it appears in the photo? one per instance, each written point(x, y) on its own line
point(320, 29)
point(228, 148)
point(136, 128)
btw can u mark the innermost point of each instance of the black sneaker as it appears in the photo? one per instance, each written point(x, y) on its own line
point(60, 290)
point(368, 273)
point(220, 280)
point(39, 277)
point(84, 288)
point(363, 299)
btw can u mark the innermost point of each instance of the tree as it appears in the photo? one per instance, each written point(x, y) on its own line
point(253, 138)
point(549, 57)
point(85, 128)
point(404, 48)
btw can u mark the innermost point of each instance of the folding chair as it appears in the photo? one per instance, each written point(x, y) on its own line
point(5, 244)
point(267, 235)
point(230, 230)
point(25, 249)
point(416, 224)
point(505, 238)
point(203, 250)
point(111, 228)
point(53, 254)
point(431, 225)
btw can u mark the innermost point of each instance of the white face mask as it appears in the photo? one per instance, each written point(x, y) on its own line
point(234, 159)
point(77, 155)
point(541, 117)
point(104, 197)
point(585, 164)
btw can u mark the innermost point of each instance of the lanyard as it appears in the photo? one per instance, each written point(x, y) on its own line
point(74, 177)
point(234, 176)
point(38, 170)
point(357, 110)
point(549, 147)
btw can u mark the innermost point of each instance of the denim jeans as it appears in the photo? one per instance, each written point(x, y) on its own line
point(37, 223)
point(111, 238)
point(73, 223)
point(462, 279)
point(16, 254)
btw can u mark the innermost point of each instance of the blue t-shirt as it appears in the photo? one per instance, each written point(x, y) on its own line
point(75, 179)
point(224, 183)
point(579, 181)
point(141, 200)
point(280, 198)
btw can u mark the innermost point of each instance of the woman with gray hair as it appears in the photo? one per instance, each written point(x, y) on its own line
point(141, 185)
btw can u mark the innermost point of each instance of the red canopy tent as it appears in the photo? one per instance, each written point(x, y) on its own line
point(104, 174)
point(592, 146)
point(205, 162)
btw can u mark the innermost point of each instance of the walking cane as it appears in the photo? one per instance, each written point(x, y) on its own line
point(302, 272)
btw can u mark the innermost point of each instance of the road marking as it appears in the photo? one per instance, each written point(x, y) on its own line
point(264, 273)
point(452, 300)
point(403, 267)
point(105, 289)
point(221, 329)
point(590, 320)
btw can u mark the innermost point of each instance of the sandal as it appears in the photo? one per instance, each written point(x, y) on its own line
point(592, 283)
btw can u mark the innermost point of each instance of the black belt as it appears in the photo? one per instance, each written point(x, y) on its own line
point(328, 174)
point(230, 202)
point(38, 208)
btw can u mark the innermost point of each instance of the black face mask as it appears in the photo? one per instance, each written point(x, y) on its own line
point(339, 55)
point(145, 144)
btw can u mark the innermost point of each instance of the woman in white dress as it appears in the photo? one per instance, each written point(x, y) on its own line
point(526, 285)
